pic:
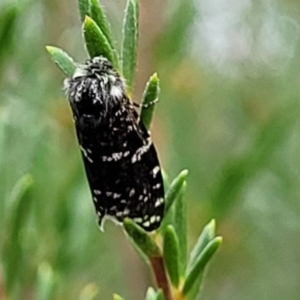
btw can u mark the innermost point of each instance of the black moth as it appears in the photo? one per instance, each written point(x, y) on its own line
point(120, 160)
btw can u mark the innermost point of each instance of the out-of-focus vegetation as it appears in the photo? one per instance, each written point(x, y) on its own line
point(229, 76)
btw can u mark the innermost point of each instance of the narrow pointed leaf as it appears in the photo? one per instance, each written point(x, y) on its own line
point(140, 253)
point(117, 297)
point(180, 225)
point(12, 249)
point(45, 283)
point(62, 59)
point(207, 234)
point(141, 238)
point(90, 292)
point(166, 179)
point(96, 42)
point(4, 121)
point(151, 294)
point(129, 43)
point(197, 286)
point(150, 96)
point(174, 190)
point(84, 8)
point(202, 261)
point(8, 15)
point(171, 254)
point(160, 295)
point(100, 19)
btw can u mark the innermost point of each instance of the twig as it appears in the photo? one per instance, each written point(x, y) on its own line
point(160, 275)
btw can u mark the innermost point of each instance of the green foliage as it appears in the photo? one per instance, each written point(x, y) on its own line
point(13, 250)
point(84, 8)
point(151, 294)
point(45, 283)
point(62, 59)
point(160, 295)
point(98, 15)
point(90, 292)
point(141, 238)
point(174, 191)
point(198, 267)
point(171, 255)
point(129, 43)
point(150, 96)
point(96, 41)
point(8, 16)
point(117, 297)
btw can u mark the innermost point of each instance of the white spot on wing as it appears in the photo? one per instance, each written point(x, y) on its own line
point(158, 202)
point(157, 186)
point(116, 195)
point(152, 219)
point(126, 211)
point(138, 220)
point(155, 171)
point(132, 192)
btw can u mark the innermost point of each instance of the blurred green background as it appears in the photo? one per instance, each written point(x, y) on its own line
point(229, 113)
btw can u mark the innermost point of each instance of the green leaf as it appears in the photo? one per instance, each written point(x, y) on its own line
point(100, 19)
point(160, 295)
point(96, 42)
point(174, 190)
point(129, 43)
point(151, 294)
point(140, 253)
point(12, 248)
point(141, 238)
point(166, 180)
point(196, 289)
point(8, 15)
point(89, 292)
point(207, 234)
point(62, 59)
point(4, 121)
point(180, 225)
point(171, 254)
point(45, 282)
point(117, 297)
point(84, 8)
point(150, 96)
point(198, 268)
point(171, 195)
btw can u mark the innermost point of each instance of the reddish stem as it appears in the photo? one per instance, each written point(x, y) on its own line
point(160, 275)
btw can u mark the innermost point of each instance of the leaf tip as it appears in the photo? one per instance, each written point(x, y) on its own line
point(212, 225)
point(184, 173)
point(154, 77)
point(49, 48)
point(219, 240)
point(87, 20)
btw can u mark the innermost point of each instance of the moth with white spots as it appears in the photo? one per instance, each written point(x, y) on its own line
point(119, 157)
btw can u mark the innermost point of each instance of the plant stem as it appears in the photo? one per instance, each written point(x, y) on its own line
point(160, 275)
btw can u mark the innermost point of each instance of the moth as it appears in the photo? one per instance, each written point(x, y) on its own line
point(120, 160)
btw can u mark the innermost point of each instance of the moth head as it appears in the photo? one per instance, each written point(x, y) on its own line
point(95, 84)
point(97, 66)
